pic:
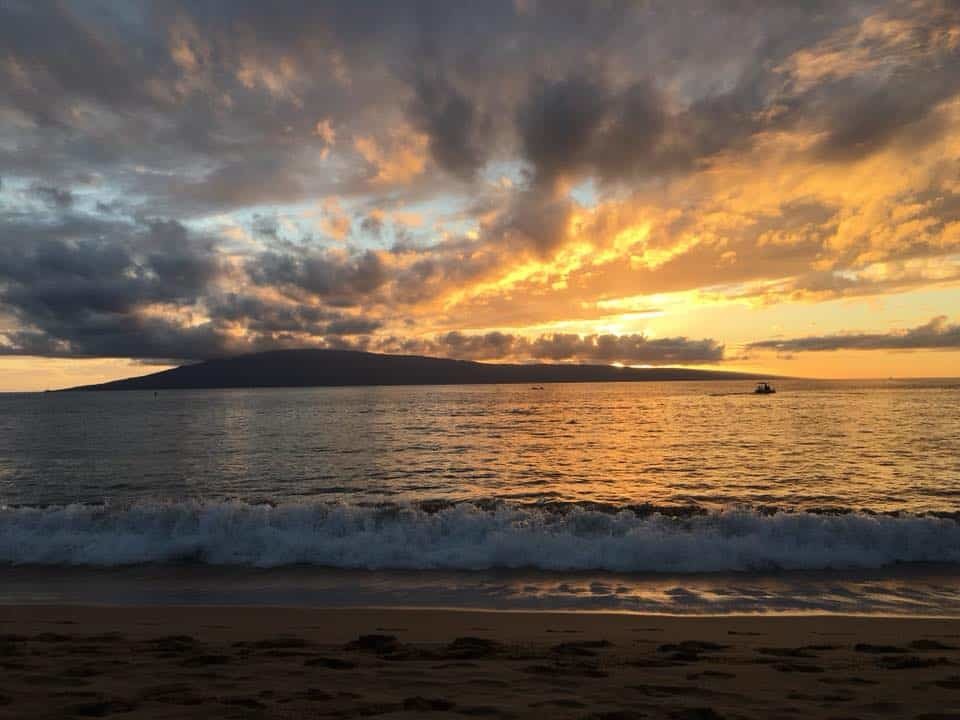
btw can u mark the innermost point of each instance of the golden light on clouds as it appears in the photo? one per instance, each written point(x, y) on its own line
point(398, 159)
point(633, 187)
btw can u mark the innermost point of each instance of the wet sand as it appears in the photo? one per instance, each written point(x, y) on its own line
point(270, 662)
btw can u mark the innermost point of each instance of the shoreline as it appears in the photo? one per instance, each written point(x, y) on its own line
point(931, 591)
point(784, 615)
point(167, 661)
point(350, 618)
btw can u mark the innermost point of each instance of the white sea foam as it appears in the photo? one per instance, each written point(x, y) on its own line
point(467, 537)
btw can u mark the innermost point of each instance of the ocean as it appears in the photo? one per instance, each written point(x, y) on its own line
point(674, 497)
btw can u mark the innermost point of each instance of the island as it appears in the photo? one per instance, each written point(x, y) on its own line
point(309, 368)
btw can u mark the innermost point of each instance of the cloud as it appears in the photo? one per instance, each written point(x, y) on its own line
point(937, 334)
point(343, 278)
point(83, 286)
point(635, 349)
point(55, 196)
point(334, 221)
point(187, 180)
point(396, 159)
point(536, 219)
point(53, 57)
point(878, 80)
point(627, 349)
point(579, 125)
point(451, 122)
point(352, 326)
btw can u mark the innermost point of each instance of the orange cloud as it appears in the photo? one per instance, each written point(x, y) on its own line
point(398, 159)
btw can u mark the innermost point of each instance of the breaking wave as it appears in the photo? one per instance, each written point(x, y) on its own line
point(470, 536)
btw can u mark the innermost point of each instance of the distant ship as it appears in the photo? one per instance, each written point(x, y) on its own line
point(764, 389)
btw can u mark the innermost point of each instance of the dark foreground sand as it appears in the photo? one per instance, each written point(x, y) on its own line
point(259, 662)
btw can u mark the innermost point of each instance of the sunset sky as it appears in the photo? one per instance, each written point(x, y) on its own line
point(737, 185)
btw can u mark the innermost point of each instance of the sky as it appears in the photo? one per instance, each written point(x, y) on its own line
point(765, 186)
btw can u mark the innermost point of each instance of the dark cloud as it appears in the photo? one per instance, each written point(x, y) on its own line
point(372, 224)
point(323, 274)
point(79, 286)
point(881, 81)
point(433, 270)
point(352, 326)
point(580, 125)
point(632, 132)
point(451, 122)
point(54, 57)
point(860, 121)
point(264, 318)
point(627, 349)
point(938, 334)
point(266, 225)
point(558, 123)
point(57, 197)
point(269, 321)
point(537, 219)
point(567, 347)
point(488, 346)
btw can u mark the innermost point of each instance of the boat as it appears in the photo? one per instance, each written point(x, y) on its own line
point(764, 389)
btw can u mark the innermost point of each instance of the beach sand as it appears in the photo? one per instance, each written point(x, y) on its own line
point(270, 662)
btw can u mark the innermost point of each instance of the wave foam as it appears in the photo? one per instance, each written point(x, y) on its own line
point(465, 536)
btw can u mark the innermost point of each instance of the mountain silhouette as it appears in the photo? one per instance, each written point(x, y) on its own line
point(306, 368)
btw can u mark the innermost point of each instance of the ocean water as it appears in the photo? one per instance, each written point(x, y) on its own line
point(672, 497)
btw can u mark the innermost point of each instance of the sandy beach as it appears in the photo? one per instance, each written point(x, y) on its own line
point(270, 662)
